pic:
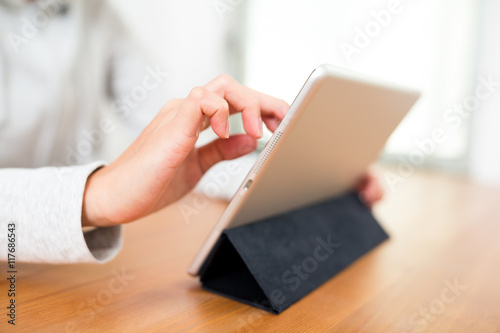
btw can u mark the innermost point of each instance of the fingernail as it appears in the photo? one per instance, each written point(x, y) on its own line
point(227, 130)
point(261, 131)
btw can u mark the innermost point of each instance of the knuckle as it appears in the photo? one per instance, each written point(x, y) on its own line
point(197, 93)
point(254, 104)
point(225, 79)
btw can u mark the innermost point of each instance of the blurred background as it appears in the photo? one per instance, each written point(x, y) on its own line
point(446, 49)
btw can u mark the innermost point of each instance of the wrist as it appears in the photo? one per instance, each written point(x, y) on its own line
point(92, 214)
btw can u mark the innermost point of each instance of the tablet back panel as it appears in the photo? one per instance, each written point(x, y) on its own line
point(324, 145)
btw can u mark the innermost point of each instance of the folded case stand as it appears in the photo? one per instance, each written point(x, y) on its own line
point(273, 263)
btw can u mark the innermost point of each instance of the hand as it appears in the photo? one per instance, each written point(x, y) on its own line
point(162, 164)
point(370, 190)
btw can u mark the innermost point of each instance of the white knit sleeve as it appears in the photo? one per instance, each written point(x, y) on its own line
point(45, 205)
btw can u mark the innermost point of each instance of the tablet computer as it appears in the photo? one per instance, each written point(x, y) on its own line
point(335, 128)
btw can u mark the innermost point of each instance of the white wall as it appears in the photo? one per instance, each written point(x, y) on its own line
point(425, 44)
point(485, 143)
point(188, 39)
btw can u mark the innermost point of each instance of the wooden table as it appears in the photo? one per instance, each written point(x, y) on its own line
point(439, 272)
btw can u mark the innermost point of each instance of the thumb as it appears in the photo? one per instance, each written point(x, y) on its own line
point(228, 149)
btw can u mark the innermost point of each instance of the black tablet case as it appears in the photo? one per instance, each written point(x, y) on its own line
point(273, 263)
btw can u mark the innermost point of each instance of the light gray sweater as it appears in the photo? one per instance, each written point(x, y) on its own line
point(45, 204)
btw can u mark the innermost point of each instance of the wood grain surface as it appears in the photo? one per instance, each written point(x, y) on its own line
point(439, 272)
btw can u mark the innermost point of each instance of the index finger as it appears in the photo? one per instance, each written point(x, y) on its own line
point(254, 106)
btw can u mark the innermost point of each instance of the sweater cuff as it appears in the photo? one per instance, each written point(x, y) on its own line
point(104, 243)
point(46, 206)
